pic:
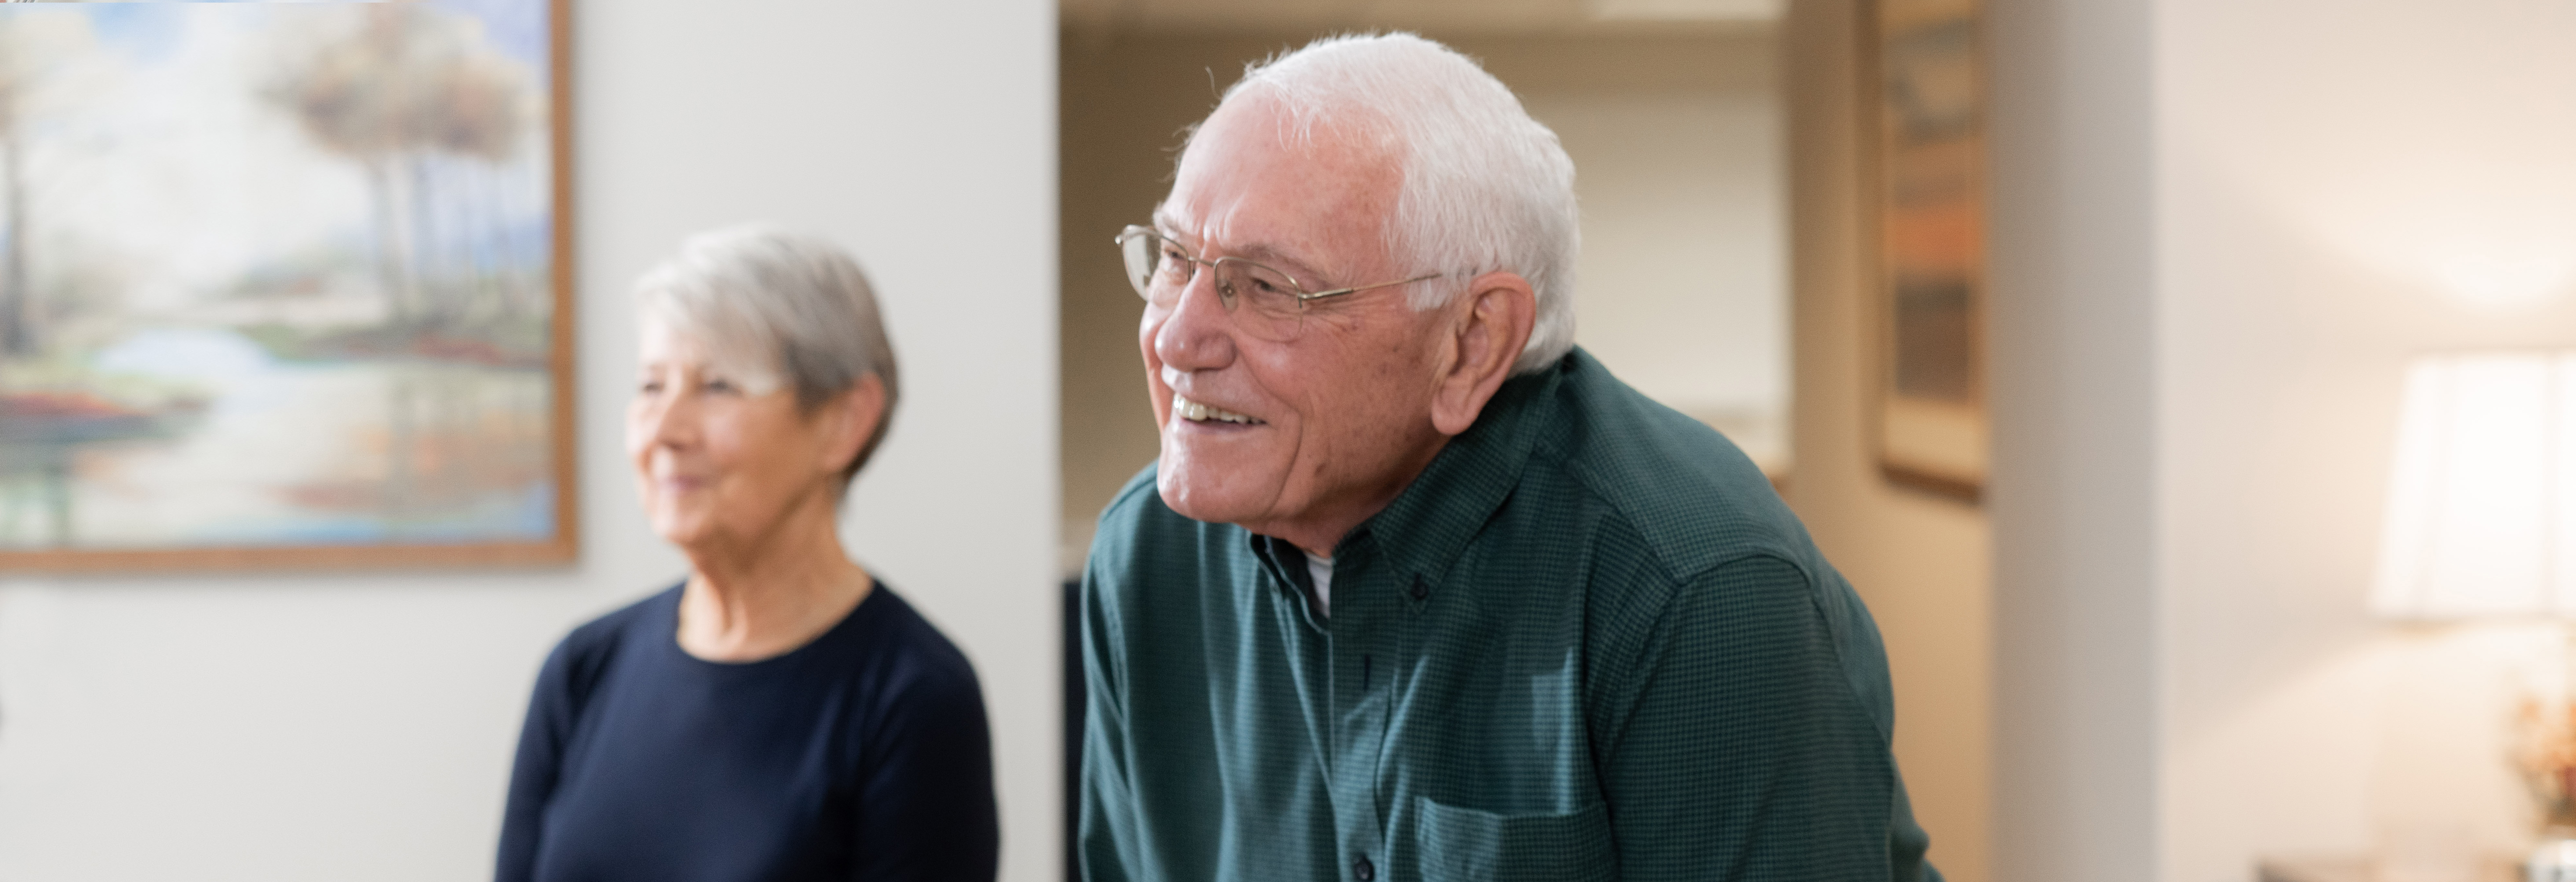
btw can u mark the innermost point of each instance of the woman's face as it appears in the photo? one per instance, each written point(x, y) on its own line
point(722, 454)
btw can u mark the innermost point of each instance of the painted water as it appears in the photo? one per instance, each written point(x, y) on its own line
point(283, 453)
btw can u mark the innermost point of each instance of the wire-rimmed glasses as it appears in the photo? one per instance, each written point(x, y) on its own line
point(1267, 302)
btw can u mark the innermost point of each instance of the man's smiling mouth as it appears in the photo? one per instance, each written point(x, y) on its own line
point(1200, 413)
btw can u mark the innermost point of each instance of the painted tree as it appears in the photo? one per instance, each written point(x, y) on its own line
point(16, 335)
point(404, 88)
point(470, 116)
point(33, 47)
point(349, 95)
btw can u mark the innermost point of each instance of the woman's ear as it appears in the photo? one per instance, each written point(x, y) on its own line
point(1492, 326)
point(851, 419)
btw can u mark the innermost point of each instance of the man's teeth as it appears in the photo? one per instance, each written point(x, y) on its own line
point(1199, 413)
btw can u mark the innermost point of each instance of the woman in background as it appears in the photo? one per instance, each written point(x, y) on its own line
point(781, 714)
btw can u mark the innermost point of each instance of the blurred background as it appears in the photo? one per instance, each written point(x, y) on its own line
point(2146, 647)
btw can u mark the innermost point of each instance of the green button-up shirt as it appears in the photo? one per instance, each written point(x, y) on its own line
point(1588, 642)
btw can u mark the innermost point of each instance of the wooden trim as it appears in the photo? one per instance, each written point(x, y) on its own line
point(1947, 486)
point(563, 421)
point(564, 362)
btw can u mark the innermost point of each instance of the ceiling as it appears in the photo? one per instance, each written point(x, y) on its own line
point(1445, 16)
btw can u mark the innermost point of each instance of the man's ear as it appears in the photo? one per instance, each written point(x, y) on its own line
point(1491, 326)
point(853, 417)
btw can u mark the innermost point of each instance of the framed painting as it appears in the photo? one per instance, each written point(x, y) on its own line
point(285, 285)
point(1931, 210)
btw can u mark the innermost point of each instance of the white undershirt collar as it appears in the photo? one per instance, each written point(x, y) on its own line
point(1320, 571)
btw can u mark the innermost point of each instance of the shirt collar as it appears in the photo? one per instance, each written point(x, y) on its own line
point(1429, 524)
point(1285, 561)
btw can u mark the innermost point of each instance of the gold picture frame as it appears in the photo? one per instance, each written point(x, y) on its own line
point(379, 374)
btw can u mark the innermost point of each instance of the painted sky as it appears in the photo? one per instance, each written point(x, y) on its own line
point(516, 27)
point(154, 153)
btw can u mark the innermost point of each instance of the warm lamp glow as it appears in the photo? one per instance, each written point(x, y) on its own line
point(2482, 503)
point(2506, 282)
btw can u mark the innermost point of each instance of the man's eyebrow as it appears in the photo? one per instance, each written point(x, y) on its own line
point(1261, 253)
point(1305, 273)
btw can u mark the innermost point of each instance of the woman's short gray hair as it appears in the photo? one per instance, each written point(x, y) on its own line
point(1486, 187)
point(792, 303)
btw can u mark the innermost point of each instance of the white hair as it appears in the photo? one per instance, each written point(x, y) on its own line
point(792, 306)
point(1485, 187)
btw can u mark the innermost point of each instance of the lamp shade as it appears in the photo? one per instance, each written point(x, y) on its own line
point(2482, 502)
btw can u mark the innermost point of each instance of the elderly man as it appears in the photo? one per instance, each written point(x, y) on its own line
point(1416, 589)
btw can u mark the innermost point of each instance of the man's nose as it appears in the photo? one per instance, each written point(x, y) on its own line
point(1199, 332)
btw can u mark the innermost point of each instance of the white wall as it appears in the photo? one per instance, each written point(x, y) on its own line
point(2327, 207)
point(1683, 280)
point(359, 725)
point(2220, 229)
point(2071, 498)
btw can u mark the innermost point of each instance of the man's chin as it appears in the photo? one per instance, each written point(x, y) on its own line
point(1196, 497)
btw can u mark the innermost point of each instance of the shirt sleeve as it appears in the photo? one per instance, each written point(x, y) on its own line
point(551, 713)
point(1746, 754)
point(931, 760)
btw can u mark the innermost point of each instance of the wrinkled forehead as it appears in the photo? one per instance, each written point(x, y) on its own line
point(1259, 176)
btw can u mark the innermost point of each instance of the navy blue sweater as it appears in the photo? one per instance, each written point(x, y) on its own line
point(861, 755)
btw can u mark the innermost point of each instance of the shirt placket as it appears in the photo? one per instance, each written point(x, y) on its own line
point(1361, 629)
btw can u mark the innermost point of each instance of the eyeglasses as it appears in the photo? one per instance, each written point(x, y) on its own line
point(1266, 302)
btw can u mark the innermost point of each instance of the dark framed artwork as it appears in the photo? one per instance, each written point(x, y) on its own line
point(1931, 211)
point(285, 285)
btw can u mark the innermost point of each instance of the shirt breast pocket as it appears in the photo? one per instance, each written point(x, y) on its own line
point(1460, 844)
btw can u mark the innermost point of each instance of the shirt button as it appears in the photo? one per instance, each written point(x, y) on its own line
point(1418, 591)
point(1364, 870)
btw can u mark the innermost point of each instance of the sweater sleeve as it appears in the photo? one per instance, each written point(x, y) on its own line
point(551, 713)
point(926, 808)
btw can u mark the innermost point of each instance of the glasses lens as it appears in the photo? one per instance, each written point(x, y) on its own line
point(1143, 251)
point(1264, 299)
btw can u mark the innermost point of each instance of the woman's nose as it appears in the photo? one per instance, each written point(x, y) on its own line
point(667, 420)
